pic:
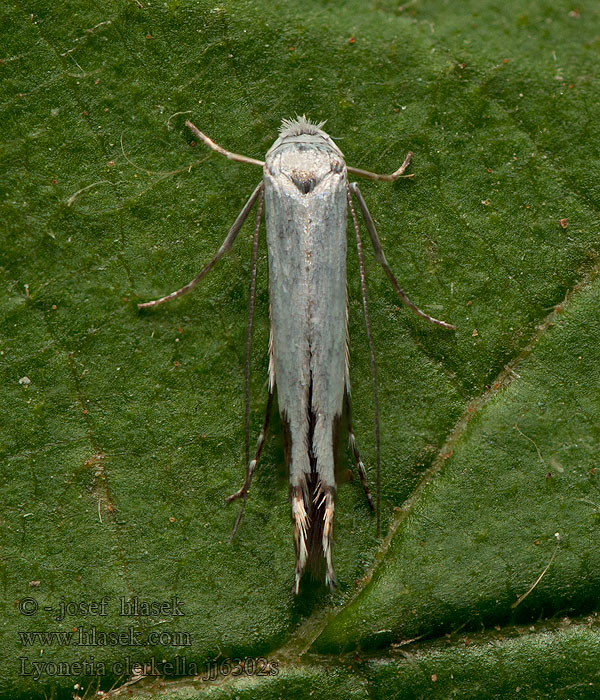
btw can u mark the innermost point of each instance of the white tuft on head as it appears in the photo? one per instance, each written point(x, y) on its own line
point(298, 126)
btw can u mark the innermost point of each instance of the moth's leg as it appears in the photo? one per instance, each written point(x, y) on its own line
point(380, 257)
point(225, 247)
point(215, 147)
point(250, 323)
point(376, 176)
point(251, 466)
point(363, 286)
point(359, 463)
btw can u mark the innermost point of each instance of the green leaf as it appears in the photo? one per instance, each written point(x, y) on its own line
point(506, 528)
point(565, 662)
point(123, 430)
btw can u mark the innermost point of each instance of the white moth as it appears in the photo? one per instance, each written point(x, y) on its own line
point(306, 194)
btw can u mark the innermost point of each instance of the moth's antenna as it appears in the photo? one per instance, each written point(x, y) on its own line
point(377, 176)
point(219, 149)
point(363, 286)
point(248, 349)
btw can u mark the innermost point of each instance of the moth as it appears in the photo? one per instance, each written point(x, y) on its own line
point(306, 196)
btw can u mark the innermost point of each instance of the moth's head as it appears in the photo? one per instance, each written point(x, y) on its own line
point(305, 157)
point(302, 131)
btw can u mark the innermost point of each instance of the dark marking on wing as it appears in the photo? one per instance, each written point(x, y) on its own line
point(304, 181)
